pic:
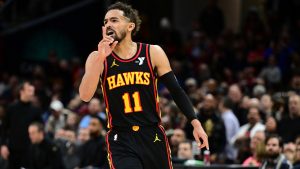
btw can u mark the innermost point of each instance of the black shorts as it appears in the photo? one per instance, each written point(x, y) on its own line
point(138, 148)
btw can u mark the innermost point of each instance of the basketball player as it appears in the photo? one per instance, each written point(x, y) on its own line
point(128, 72)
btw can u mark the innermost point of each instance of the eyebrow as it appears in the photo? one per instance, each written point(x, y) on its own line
point(105, 20)
point(110, 19)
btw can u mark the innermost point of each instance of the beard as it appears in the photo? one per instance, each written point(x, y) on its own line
point(94, 134)
point(272, 155)
point(117, 37)
point(120, 37)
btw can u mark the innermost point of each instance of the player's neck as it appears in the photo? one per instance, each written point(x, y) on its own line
point(126, 49)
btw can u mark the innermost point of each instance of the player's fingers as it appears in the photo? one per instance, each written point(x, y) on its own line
point(205, 143)
point(114, 45)
point(108, 38)
point(103, 31)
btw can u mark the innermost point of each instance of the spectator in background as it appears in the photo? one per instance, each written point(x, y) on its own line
point(231, 127)
point(72, 121)
point(44, 154)
point(186, 155)
point(271, 74)
point(235, 95)
point(94, 108)
point(275, 158)
point(185, 151)
point(70, 149)
point(292, 121)
point(83, 136)
point(177, 137)
point(18, 117)
point(297, 157)
point(246, 132)
point(271, 126)
point(93, 152)
point(191, 85)
point(213, 126)
point(57, 119)
point(257, 149)
point(266, 106)
point(289, 151)
point(254, 124)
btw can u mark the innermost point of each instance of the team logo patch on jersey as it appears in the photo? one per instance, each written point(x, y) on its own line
point(114, 64)
point(116, 137)
point(140, 60)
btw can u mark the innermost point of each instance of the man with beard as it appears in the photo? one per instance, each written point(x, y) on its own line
point(128, 72)
point(93, 152)
point(274, 157)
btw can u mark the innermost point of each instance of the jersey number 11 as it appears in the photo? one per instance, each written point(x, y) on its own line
point(127, 103)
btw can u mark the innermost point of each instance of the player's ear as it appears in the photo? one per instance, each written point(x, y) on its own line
point(131, 26)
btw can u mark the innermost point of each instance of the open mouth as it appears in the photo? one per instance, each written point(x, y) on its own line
point(110, 33)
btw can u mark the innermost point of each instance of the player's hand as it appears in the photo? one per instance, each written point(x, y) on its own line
point(199, 133)
point(106, 45)
point(4, 152)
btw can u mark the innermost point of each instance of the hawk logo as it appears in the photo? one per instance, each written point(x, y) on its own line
point(114, 64)
point(140, 60)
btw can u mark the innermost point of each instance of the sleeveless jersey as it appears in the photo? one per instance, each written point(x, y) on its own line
point(130, 89)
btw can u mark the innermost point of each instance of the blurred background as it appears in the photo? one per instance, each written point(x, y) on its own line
point(238, 56)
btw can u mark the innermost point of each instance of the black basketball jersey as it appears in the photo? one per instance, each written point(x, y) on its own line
point(130, 89)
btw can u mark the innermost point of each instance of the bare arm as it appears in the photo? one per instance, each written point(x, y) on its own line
point(161, 63)
point(94, 67)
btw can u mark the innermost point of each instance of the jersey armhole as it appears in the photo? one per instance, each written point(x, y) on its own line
point(152, 69)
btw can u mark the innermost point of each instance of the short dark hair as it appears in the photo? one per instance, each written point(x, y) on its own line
point(277, 137)
point(227, 103)
point(22, 84)
point(94, 116)
point(130, 13)
point(187, 142)
point(39, 126)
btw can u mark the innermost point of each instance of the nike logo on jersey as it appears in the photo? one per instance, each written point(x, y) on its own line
point(156, 138)
point(140, 60)
point(128, 78)
point(114, 64)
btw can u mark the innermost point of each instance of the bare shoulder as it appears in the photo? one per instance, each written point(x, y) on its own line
point(156, 50)
point(159, 59)
point(157, 53)
point(92, 55)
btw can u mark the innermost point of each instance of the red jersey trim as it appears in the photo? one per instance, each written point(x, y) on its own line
point(109, 118)
point(111, 164)
point(167, 147)
point(131, 59)
point(154, 79)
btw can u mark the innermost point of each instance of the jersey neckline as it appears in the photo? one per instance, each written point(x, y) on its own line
point(137, 53)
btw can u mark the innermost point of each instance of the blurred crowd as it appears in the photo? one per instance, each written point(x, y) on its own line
point(245, 89)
